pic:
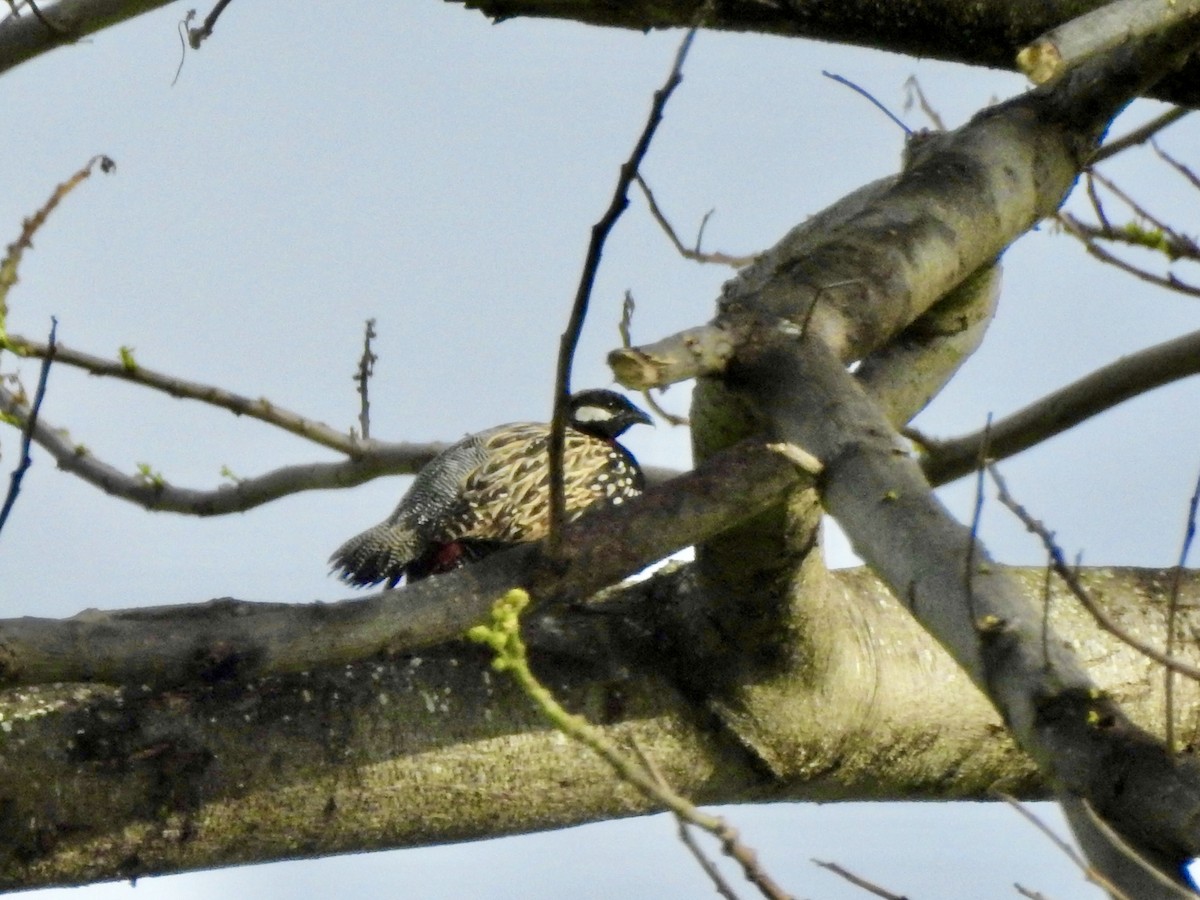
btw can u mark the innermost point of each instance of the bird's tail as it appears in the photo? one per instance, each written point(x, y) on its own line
point(382, 553)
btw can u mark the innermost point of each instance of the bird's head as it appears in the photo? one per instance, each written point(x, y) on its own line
point(605, 414)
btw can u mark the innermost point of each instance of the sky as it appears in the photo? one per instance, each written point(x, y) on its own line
point(415, 164)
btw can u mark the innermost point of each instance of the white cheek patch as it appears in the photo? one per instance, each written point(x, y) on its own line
point(593, 414)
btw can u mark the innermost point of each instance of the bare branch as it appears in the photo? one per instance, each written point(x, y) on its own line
point(914, 92)
point(1177, 166)
point(591, 264)
point(1090, 243)
point(25, 461)
point(149, 645)
point(1103, 389)
point(12, 260)
point(693, 253)
point(1070, 578)
point(366, 368)
point(1188, 247)
point(858, 881)
point(128, 369)
point(371, 460)
point(1139, 135)
point(1189, 534)
point(1088, 872)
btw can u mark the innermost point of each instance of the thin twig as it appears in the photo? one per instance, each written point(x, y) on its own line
point(913, 86)
point(1070, 578)
point(370, 460)
point(981, 464)
point(128, 369)
point(859, 881)
point(12, 260)
point(1139, 210)
point(1094, 199)
point(1176, 165)
point(1088, 872)
point(1079, 230)
point(366, 368)
point(1189, 534)
point(503, 636)
point(182, 30)
point(1172, 244)
point(1139, 135)
point(685, 835)
point(1032, 895)
point(600, 232)
point(694, 253)
point(25, 461)
point(865, 93)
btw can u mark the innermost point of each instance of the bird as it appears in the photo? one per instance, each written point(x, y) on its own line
point(491, 490)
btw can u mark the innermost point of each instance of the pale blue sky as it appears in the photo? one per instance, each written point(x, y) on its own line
point(413, 163)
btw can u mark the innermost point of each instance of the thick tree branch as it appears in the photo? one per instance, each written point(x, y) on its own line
point(1081, 739)
point(810, 306)
point(24, 37)
point(174, 645)
point(99, 783)
point(987, 33)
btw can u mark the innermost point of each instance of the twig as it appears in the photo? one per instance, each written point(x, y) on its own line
point(1094, 199)
point(1189, 534)
point(685, 836)
point(1139, 135)
point(1070, 578)
point(1176, 165)
point(1172, 244)
point(1032, 895)
point(859, 881)
point(25, 461)
point(370, 460)
point(865, 93)
point(182, 29)
point(600, 232)
point(981, 464)
point(366, 368)
point(1175, 237)
point(1079, 230)
point(128, 369)
point(503, 636)
point(12, 260)
point(624, 328)
point(913, 86)
point(197, 36)
point(695, 254)
point(1088, 872)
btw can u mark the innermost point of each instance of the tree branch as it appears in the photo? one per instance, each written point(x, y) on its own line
point(591, 264)
point(127, 369)
point(371, 460)
point(173, 645)
point(1129, 377)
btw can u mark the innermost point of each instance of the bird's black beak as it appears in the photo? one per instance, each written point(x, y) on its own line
point(638, 416)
